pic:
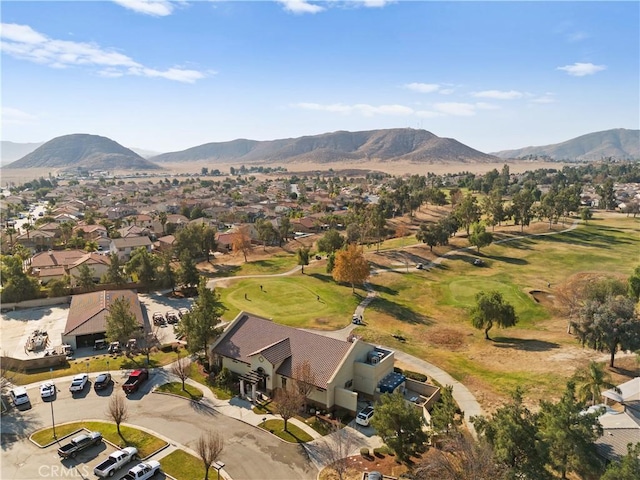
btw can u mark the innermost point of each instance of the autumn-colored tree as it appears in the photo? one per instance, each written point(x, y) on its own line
point(242, 242)
point(351, 266)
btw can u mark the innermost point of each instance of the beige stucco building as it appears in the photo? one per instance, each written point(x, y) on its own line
point(266, 355)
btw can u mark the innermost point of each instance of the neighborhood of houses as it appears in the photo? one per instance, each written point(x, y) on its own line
point(263, 353)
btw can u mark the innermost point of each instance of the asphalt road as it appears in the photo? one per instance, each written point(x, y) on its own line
point(249, 453)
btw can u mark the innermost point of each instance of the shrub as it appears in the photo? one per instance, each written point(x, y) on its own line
point(224, 378)
point(166, 348)
point(379, 452)
point(419, 377)
point(364, 452)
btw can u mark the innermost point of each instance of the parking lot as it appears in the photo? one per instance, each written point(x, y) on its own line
point(17, 326)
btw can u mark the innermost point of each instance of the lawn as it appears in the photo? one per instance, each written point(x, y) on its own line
point(190, 392)
point(312, 300)
point(184, 466)
point(131, 436)
point(97, 363)
point(293, 434)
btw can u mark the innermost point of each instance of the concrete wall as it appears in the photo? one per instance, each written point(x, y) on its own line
point(346, 399)
point(368, 376)
point(37, 302)
point(27, 365)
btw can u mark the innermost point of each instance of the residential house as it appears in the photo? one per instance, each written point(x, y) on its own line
point(87, 318)
point(165, 244)
point(53, 264)
point(266, 355)
point(620, 420)
point(98, 264)
point(123, 247)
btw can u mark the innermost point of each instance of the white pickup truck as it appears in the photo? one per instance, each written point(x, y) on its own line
point(142, 471)
point(115, 461)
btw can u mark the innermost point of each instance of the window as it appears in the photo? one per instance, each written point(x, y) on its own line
point(348, 384)
point(284, 382)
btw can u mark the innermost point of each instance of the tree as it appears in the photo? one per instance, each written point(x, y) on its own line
point(59, 287)
point(84, 279)
point(330, 242)
point(634, 284)
point(166, 275)
point(117, 410)
point(512, 432)
point(162, 218)
point(480, 237)
point(285, 229)
point(302, 255)
point(445, 411)
point(400, 425)
point(288, 401)
point(189, 275)
point(591, 380)
point(114, 273)
point(490, 307)
point(586, 214)
point(144, 264)
point(336, 448)
point(461, 458)
point(200, 325)
point(468, 212)
point(209, 446)
point(569, 434)
point(628, 468)
point(609, 326)
point(16, 284)
point(241, 242)
point(521, 204)
point(351, 266)
point(433, 234)
point(180, 368)
point(266, 232)
point(121, 323)
point(305, 380)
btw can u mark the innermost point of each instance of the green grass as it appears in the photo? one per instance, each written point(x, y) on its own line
point(97, 363)
point(184, 466)
point(196, 373)
point(293, 434)
point(131, 437)
point(190, 392)
point(293, 300)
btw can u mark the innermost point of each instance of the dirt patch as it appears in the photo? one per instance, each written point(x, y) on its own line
point(445, 337)
point(546, 299)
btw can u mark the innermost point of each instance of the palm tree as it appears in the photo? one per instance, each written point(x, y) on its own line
point(591, 380)
point(11, 232)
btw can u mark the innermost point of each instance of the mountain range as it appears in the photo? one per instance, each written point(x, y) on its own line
point(389, 145)
point(619, 143)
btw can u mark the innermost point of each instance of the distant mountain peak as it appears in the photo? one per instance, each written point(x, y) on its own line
point(84, 150)
point(397, 144)
point(619, 143)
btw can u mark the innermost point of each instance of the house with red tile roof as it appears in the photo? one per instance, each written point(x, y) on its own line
point(266, 355)
point(87, 319)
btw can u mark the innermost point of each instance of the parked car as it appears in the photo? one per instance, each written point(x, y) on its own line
point(183, 311)
point(158, 318)
point(47, 390)
point(136, 378)
point(100, 344)
point(79, 443)
point(478, 262)
point(115, 461)
point(102, 381)
point(420, 266)
point(19, 396)
point(142, 471)
point(114, 347)
point(78, 383)
point(364, 417)
point(356, 319)
point(172, 317)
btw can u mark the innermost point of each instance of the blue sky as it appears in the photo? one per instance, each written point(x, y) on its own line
point(167, 75)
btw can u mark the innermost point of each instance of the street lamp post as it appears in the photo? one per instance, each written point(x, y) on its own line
point(53, 421)
point(218, 466)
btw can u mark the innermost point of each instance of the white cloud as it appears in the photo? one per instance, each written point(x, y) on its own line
point(156, 8)
point(499, 94)
point(359, 108)
point(423, 87)
point(300, 6)
point(582, 69)
point(486, 106)
point(21, 41)
point(13, 116)
point(543, 99)
point(456, 109)
point(427, 114)
point(376, 3)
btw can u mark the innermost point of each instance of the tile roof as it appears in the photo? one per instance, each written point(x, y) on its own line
point(249, 335)
point(88, 312)
point(54, 258)
point(131, 242)
point(92, 258)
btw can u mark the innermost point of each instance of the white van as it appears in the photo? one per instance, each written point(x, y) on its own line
point(19, 396)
